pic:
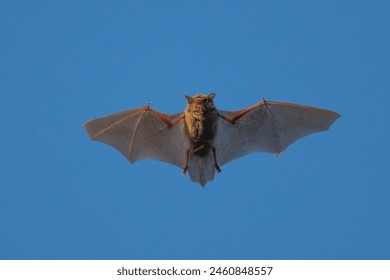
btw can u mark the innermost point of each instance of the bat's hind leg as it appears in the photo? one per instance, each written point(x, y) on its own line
point(185, 167)
point(215, 162)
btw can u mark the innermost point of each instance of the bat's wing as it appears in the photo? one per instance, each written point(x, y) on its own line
point(143, 133)
point(267, 127)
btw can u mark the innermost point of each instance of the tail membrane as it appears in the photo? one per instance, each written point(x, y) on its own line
point(201, 167)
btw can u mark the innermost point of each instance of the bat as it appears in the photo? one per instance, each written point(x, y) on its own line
point(202, 138)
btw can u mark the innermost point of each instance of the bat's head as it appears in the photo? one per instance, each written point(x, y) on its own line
point(201, 102)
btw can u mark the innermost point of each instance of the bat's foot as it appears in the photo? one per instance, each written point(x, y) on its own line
point(215, 162)
point(184, 170)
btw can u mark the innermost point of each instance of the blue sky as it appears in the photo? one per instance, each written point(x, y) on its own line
point(66, 62)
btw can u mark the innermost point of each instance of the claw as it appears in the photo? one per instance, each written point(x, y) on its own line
point(185, 168)
point(215, 162)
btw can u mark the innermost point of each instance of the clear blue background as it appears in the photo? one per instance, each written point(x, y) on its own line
point(66, 62)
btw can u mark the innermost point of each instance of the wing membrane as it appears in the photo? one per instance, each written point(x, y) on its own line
point(267, 127)
point(143, 133)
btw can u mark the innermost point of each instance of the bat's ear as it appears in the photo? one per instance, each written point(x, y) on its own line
point(211, 96)
point(189, 98)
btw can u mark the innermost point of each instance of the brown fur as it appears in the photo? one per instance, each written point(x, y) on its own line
point(201, 121)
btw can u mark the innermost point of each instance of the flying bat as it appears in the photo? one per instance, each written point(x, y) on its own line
point(202, 138)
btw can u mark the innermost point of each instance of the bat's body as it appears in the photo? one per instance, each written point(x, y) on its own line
point(202, 139)
point(201, 118)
